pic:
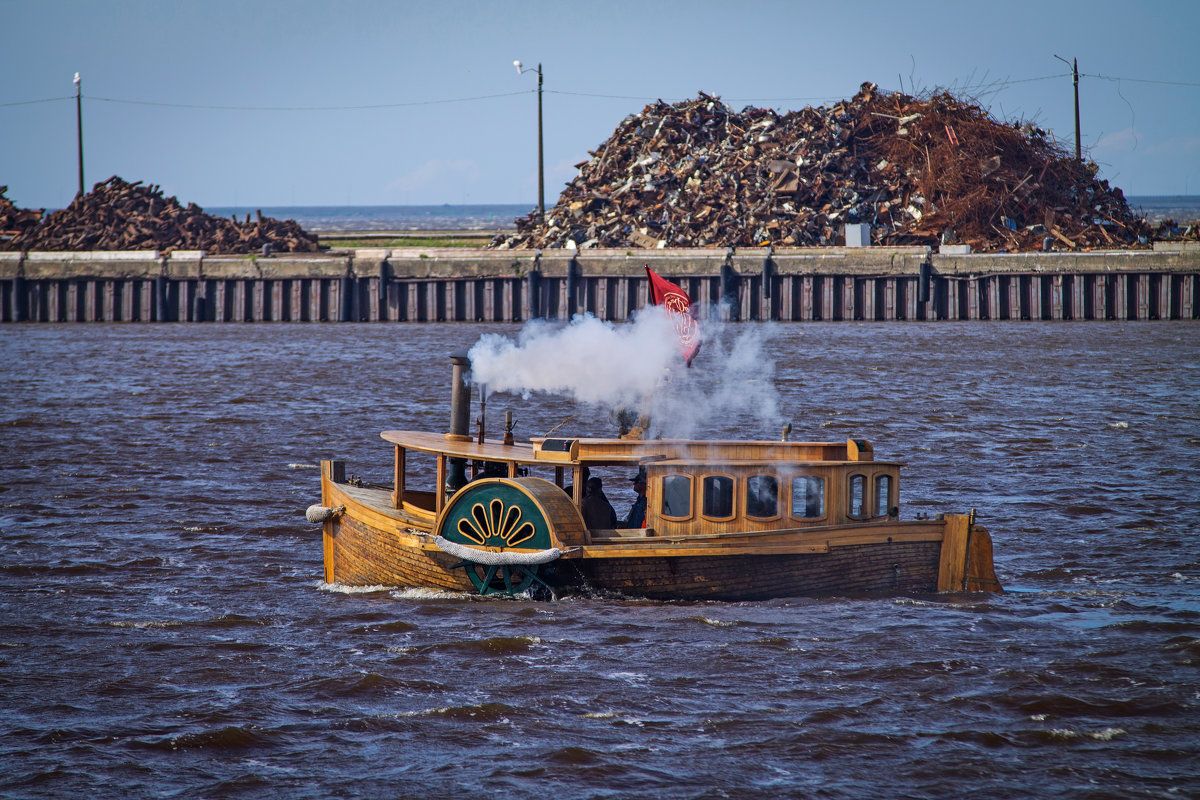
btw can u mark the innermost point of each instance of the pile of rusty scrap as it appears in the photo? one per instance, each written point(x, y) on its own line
point(1168, 230)
point(15, 221)
point(928, 171)
point(117, 215)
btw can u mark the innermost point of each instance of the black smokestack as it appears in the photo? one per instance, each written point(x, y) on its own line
point(460, 398)
point(460, 418)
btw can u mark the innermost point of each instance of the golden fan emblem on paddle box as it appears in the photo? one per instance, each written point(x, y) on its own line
point(493, 520)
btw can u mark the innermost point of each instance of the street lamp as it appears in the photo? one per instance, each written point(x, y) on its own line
point(79, 127)
point(541, 169)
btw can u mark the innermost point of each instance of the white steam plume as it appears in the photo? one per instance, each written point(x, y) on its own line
point(729, 391)
point(593, 361)
point(636, 366)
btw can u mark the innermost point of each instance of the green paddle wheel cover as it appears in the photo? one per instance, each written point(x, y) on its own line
point(495, 513)
point(490, 513)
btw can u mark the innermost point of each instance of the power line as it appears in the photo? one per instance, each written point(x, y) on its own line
point(304, 108)
point(32, 102)
point(1010, 82)
point(643, 98)
point(647, 98)
point(1138, 80)
point(264, 108)
point(608, 96)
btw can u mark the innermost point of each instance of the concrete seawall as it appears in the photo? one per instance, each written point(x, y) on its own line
point(454, 284)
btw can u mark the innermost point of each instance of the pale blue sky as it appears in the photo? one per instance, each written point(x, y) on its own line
point(239, 65)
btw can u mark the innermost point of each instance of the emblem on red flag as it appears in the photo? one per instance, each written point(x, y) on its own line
point(679, 309)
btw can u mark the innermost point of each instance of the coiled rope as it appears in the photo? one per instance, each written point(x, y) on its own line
point(492, 558)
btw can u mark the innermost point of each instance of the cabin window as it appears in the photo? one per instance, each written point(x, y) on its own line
point(676, 496)
point(718, 496)
point(762, 496)
point(858, 496)
point(883, 493)
point(808, 497)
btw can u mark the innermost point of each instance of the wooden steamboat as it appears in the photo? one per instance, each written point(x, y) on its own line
point(724, 520)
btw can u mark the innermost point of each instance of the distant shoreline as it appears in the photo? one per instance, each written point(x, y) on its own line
point(492, 219)
point(410, 238)
point(361, 220)
point(489, 220)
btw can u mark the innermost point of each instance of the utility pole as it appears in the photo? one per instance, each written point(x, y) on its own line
point(1075, 74)
point(79, 128)
point(541, 160)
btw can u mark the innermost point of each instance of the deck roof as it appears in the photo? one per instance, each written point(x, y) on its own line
point(631, 451)
point(490, 450)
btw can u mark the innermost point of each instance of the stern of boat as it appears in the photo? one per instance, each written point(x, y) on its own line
point(966, 559)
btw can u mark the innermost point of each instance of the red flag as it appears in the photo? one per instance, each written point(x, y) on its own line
point(679, 308)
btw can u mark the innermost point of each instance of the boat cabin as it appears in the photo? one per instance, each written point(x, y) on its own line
point(692, 487)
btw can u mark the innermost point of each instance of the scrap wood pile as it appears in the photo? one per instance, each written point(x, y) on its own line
point(917, 170)
point(117, 215)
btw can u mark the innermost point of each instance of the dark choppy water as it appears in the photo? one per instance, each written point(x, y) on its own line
point(164, 633)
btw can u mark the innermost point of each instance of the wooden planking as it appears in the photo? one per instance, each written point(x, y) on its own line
point(858, 568)
point(980, 566)
point(953, 559)
point(359, 555)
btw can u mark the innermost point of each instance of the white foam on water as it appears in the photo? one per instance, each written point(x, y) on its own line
point(416, 593)
point(338, 588)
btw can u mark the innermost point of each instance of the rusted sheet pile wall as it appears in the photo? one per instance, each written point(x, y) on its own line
point(906, 283)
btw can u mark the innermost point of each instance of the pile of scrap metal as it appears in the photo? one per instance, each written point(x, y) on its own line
point(929, 170)
point(15, 221)
point(1168, 230)
point(117, 215)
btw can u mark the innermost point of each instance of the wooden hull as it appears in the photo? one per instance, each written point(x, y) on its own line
point(853, 569)
point(369, 544)
point(358, 554)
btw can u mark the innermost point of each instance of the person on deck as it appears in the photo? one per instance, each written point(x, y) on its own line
point(597, 511)
point(637, 512)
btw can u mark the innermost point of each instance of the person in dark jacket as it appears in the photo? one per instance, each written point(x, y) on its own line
point(637, 512)
point(597, 511)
